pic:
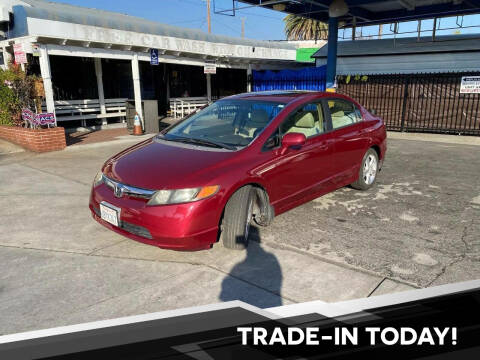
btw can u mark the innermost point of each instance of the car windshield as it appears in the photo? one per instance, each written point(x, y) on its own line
point(226, 123)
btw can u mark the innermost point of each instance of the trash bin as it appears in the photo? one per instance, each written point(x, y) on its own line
point(150, 116)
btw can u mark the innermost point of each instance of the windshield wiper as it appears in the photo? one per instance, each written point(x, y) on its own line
point(200, 142)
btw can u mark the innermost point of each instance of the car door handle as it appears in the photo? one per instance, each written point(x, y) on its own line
point(323, 145)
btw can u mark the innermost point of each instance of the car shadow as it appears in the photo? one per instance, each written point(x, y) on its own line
point(257, 280)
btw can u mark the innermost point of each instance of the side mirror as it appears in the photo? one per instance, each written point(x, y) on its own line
point(372, 111)
point(293, 140)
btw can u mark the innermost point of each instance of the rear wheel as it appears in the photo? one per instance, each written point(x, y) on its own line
point(368, 171)
point(237, 219)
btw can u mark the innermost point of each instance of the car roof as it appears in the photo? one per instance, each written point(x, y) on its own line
point(282, 96)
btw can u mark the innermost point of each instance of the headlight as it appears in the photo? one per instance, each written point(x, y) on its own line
point(163, 197)
point(98, 179)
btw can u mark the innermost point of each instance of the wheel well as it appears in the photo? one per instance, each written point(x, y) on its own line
point(264, 203)
point(261, 198)
point(377, 149)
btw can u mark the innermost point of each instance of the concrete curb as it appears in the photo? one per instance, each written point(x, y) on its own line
point(439, 138)
point(128, 139)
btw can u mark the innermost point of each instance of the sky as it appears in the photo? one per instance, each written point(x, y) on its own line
point(260, 23)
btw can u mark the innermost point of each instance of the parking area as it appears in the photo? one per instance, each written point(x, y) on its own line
point(418, 227)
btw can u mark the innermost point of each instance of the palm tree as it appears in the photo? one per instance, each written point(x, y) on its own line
point(300, 28)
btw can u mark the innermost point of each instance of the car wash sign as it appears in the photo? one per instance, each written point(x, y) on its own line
point(470, 85)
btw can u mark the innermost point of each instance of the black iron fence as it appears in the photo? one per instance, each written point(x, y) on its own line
point(417, 102)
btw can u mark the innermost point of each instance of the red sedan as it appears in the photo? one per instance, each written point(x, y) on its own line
point(243, 159)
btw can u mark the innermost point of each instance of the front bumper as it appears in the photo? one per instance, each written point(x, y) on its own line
point(189, 226)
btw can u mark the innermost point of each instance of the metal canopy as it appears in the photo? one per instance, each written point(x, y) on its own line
point(370, 12)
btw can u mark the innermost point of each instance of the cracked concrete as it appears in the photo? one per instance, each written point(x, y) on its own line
point(418, 224)
point(417, 227)
point(60, 267)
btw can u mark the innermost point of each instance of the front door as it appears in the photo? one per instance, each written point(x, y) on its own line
point(297, 174)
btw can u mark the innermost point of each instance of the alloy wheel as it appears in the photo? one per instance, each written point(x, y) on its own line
point(370, 169)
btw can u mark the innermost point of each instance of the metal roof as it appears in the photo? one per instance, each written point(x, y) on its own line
point(449, 43)
point(375, 11)
point(46, 10)
point(407, 63)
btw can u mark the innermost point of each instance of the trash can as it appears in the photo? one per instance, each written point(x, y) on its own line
point(150, 116)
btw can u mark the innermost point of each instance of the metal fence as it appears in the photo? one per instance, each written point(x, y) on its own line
point(417, 102)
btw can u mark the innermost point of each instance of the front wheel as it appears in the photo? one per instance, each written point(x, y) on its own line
point(368, 171)
point(237, 219)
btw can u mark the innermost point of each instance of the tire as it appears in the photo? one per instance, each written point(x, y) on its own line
point(237, 219)
point(368, 172)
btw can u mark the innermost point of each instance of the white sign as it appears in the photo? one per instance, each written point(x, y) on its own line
point(20, 54)
point(49, 28)
point(35, 50)
point(470, 85)
point(210, 67)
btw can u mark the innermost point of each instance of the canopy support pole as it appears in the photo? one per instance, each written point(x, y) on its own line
point(47, 80)
point(101, 96)
point(137, 89)
point(249, 78)
point(332, 52)
point(209, 87)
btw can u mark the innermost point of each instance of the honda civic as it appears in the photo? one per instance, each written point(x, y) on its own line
point(241, 160)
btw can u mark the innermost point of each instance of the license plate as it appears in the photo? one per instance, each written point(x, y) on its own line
point(109, 213)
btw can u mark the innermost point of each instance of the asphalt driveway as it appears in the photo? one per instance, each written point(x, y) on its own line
point(418, 227)
point(420, 223)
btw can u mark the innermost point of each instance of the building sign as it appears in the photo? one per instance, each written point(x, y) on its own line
point(82, 32)
point(153, 56)
point(19, 53)
point(470, 85)
point(210, 67)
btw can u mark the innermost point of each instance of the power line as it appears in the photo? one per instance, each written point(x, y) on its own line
point(225, 25)
point(186, 21)
point(192, 3)
point(264, 16)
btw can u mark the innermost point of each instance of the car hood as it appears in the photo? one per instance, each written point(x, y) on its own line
point(158, 164)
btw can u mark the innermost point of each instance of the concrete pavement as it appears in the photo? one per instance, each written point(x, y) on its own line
point(420, 223)
point(60, 267)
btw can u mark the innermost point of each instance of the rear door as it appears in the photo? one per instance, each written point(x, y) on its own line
point(348, 137)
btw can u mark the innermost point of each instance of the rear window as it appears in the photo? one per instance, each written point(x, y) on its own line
point(343, 113)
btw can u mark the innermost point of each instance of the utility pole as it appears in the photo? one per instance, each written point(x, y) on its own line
point(243, 27)
point(208, 17)
point(209, 76)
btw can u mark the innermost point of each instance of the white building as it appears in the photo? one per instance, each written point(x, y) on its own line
point(87, 54)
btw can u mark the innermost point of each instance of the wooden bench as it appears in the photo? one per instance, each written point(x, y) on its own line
point(68, 110)
point(180, 107)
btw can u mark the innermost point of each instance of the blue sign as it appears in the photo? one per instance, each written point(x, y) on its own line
point(153, 56)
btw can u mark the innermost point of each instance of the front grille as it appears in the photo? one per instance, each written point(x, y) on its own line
point(120, 189)
point(129, 227)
